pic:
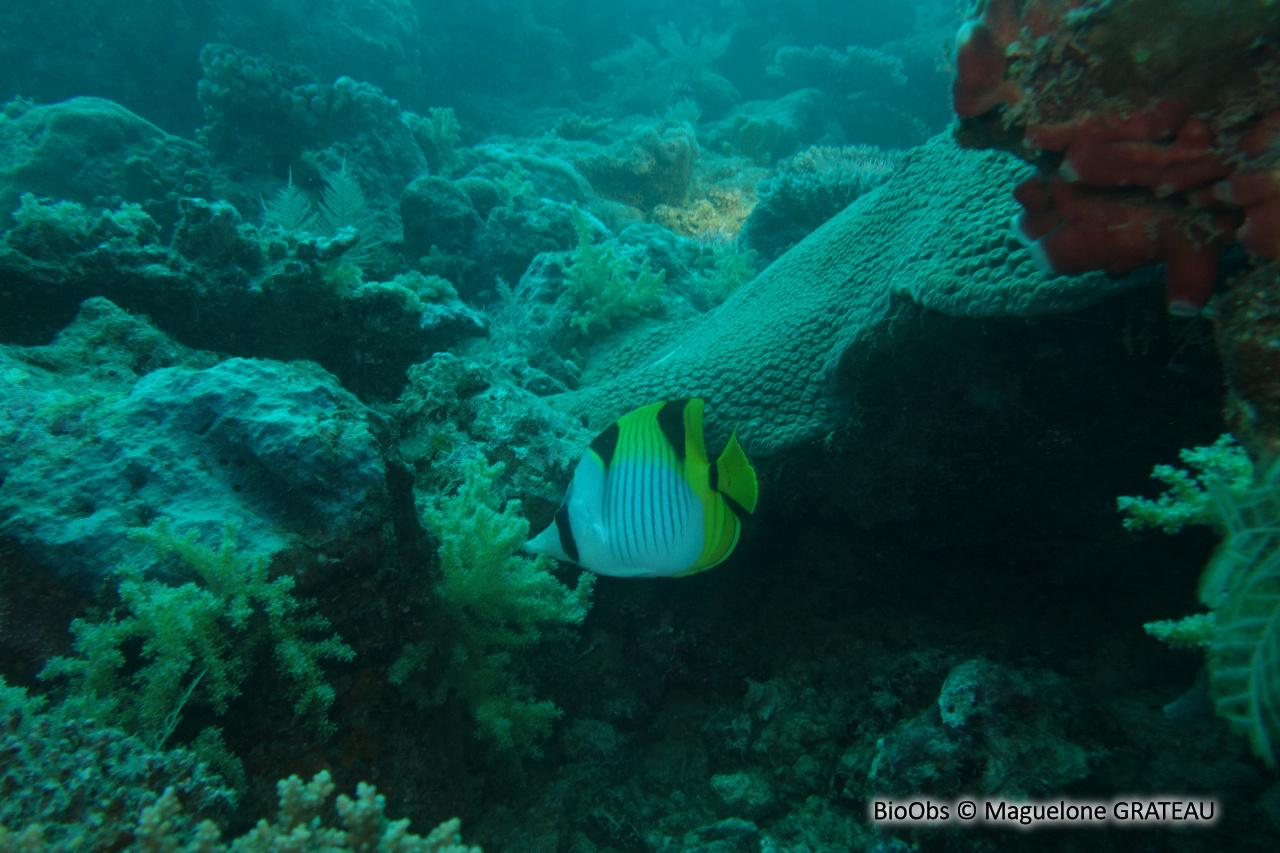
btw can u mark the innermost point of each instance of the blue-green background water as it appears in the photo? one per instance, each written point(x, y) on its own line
point(477, 57)
point(309, 310)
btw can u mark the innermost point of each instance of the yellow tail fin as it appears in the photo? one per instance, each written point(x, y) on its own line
point(734, 475)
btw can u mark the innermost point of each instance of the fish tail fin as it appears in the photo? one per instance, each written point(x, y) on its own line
point(735, 478)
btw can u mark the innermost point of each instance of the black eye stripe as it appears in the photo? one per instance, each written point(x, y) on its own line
point(566, 533)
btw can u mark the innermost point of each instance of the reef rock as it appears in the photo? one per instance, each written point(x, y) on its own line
point(97, 153)
point(935, 237)
point(114, 426)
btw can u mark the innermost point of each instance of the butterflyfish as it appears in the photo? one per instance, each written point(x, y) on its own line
point(645, 501)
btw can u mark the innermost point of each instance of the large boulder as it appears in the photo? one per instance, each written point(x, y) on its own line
point(114, 426)
point(97, 153)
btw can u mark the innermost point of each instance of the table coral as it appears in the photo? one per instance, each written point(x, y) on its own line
point(1159, 122)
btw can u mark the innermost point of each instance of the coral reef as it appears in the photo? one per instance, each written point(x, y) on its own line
point(1240, 587)
point(74, 783)
point(935, 234)
point(865, 104)
point(652, 165)
point(97, 153)
point(219, 283)
point(1158, 121)
point(488, 605)
point(764, 131)
point(454, 408)
point(940, 425)
point(852, 70)
point(993, 731)
point(113, 425)
point(604, 286)
point(809, 189)
point(164, 825)
point(514, 234)
point(263, 116)
point(199, 639)
point(437, 214)
point(1186, 499)
point(645, 77)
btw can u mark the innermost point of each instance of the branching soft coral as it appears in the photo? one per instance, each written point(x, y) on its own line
point(299, 827)
point(492, 603)
point(1186, 500)
point(605, 286)
point(1240, 586)
point(197, 639)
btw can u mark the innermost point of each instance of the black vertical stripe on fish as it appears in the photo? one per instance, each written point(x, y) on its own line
point(566, 532)
point(671, 422)
point(605, 444)
point(738, 509)
point(713, 475)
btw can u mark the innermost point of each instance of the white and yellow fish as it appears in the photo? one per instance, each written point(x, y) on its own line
point(645, 502)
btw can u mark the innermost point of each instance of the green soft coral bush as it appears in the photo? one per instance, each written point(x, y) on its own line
point(197, 640)
point(491, 603)
point(302, 825)
point(730, 269)
point(605, 286)
point(1240, 585)
point(1189, 632)
point(1186, 500)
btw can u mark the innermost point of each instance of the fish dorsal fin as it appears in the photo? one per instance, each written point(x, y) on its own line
point(695, 449)
point(734, 477)
point(604, 444)
point(671, 421)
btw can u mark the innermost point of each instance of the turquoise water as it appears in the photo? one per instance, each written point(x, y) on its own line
point(312, 314)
